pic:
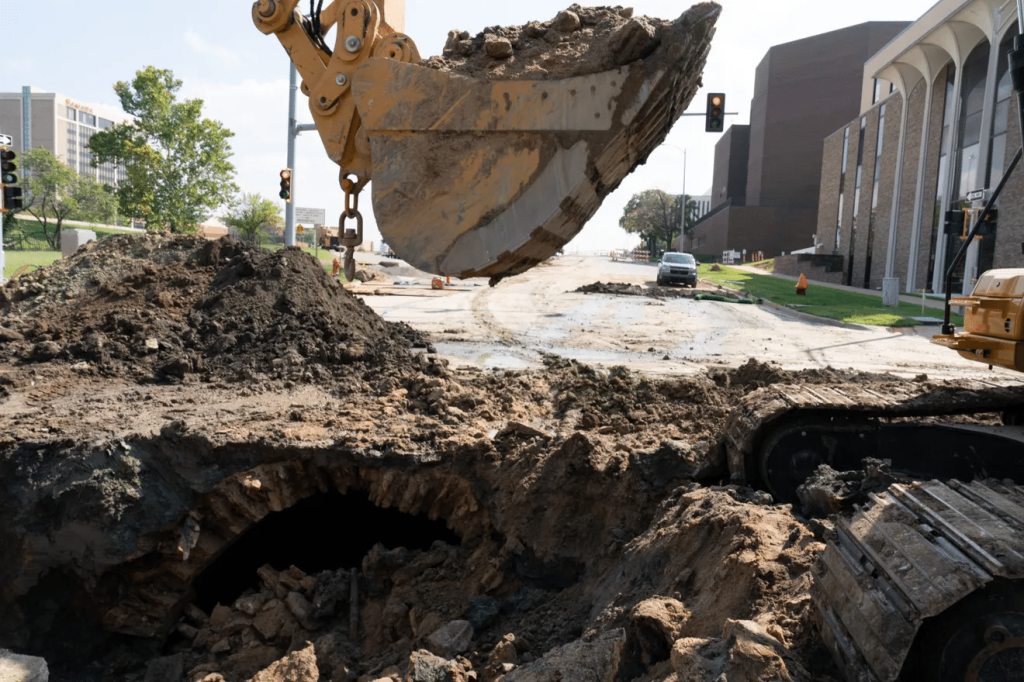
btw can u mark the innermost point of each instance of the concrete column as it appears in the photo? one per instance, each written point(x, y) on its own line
point(939, 277)
point(987, 114)
point(922, 168)
point(894, 219)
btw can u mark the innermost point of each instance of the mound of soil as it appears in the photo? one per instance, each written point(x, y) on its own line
point(577, 42)
point(170, 307)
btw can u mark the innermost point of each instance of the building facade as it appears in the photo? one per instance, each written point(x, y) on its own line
point(61, 125)
point(940, 141)
point(767, 175)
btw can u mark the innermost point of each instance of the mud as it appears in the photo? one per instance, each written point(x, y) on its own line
point(247, 515)
point(699, 292)
point(578, 41)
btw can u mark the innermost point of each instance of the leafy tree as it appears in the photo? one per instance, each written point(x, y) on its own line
point(654, 215)
point(691, 216)
point(251, 214)
point(56, 193)
point(176, 162)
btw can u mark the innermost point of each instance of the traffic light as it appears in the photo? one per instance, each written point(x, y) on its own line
point(954, 222)
point(12, 198)
point(286, 185)
point(8, 167)
point(12, 194)
point(715, 118)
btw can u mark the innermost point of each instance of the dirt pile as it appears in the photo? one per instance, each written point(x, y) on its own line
point(578, 41)
point(168, 308)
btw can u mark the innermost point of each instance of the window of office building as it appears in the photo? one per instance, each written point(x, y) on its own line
point(87, 119)
point(104, 124)
point(942, 180)
point(72, 114)
point(874, 196)
point(842, 182)
point(856, 199)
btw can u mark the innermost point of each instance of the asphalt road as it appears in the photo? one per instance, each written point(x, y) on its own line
point(514, 323)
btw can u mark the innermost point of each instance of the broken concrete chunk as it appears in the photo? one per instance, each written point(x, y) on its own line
point(746, 651)
point(16, 668)
point(504, 651)
point(297, 667)
point(271, 619)
point(451, 639)
point(302, 610)
point(221, 615)
point(426, 667)
point(250, 605)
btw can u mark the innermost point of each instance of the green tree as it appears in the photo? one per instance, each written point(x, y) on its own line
point(654, 215)
point(56, 193)
point(691, 216)
point(251, 214)
point(176, 161)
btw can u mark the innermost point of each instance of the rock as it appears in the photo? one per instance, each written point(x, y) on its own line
point(654, 625)
point(482, 611)
point(579, 661)
point(15, 668)
point(426, 667)
point(504, 651)
point(499, 48)
point(247, 663)
point(250, 605)
point(451, 639)
point(8, 335)
point(527, 431)
point(297, 667)
point(46, 350)
point(745, 653)
point(196, 615)
point(302, 610)
point(271, 619)
point(332, 588)
point(167, 669)
point(566, 22)
point(634, 41)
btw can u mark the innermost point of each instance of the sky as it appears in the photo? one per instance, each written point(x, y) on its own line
point(81, 49)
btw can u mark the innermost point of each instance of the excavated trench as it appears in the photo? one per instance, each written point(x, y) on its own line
point(186, 488)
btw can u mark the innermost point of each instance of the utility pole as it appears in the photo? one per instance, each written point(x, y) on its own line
point(682, 219)
point(293, 132)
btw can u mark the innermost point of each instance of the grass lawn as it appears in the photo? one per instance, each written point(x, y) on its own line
point(821, 300)
point(15, 260)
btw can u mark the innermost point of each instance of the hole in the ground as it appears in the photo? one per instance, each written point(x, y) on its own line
point(323, 532)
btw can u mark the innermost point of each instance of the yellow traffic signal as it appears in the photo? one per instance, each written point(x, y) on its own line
point(715, 117)
point(286, 185)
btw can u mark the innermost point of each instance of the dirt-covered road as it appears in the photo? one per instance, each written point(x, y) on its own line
point(512, 324)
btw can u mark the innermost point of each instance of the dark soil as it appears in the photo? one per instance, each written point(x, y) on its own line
point(172, 307)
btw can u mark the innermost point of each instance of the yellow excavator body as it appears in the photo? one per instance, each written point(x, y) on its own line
point(993, 321)
point(479, 177)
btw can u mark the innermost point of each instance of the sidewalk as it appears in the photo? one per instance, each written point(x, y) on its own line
point(906, 298)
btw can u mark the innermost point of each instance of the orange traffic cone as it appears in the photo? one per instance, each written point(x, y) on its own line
point(801, 286)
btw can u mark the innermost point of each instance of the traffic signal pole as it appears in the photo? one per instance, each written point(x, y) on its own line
point(293, 132)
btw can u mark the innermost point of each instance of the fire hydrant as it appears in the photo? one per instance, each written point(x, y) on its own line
point(801, 286)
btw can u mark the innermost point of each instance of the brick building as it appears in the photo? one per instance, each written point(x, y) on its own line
point(767, 174)
point(889, 175)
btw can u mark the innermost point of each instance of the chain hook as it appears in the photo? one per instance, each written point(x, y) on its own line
point(351, 238)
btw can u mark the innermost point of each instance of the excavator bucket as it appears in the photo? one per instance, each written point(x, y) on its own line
point(487, 178)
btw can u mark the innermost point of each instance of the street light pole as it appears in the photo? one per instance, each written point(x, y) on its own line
point(682, 221)
point(293, 132)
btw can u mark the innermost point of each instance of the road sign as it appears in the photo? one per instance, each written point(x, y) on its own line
point(314, 216)
point(6, 140)
point(976, 195)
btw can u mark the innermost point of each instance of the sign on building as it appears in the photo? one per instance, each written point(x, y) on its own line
point(313, 216)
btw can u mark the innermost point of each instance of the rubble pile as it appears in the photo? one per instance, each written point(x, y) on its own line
point(168, 308)
point(578, 41)
point(593, 532)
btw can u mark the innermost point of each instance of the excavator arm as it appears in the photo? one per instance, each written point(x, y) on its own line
point(480, 177)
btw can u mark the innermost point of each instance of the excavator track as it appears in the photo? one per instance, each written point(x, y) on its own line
point(924, 581)
point(780, 434)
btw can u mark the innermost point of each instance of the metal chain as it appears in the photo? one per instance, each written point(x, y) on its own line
point(349, 238)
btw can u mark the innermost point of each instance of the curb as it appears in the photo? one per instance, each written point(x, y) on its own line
point(807, 317)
